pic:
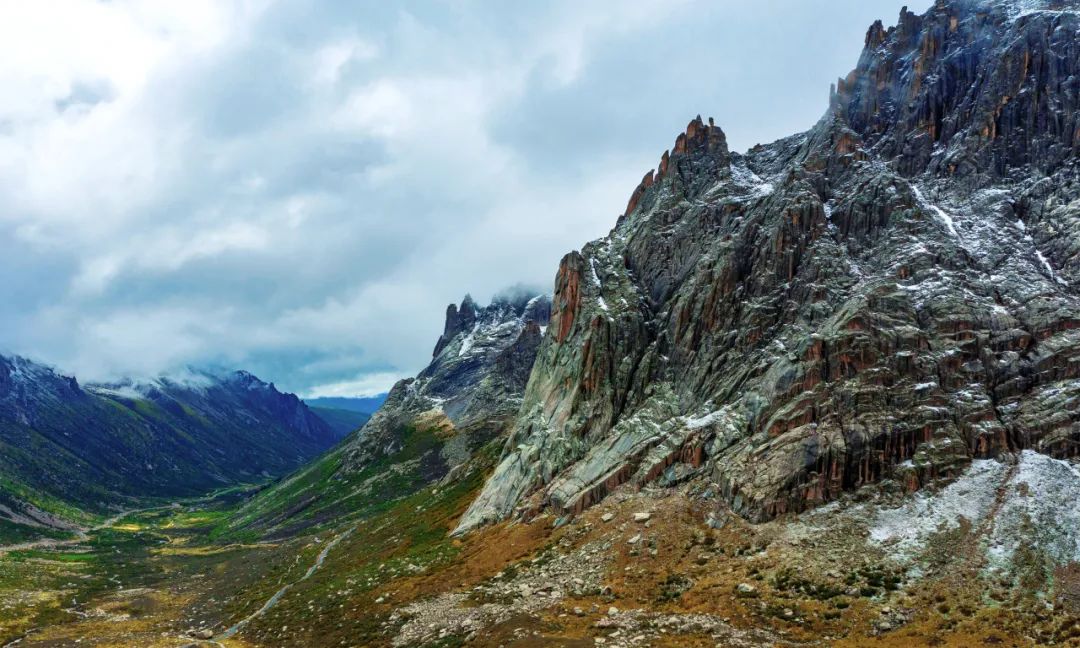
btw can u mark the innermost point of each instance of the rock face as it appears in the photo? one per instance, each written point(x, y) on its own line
point(476, 378)
point(102, 444)
point(891, 294)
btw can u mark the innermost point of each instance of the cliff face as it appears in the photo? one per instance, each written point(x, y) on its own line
point(890, 294)
point(477, 374)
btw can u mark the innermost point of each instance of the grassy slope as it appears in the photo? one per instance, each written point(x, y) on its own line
point(321, 494)
point(393, 541)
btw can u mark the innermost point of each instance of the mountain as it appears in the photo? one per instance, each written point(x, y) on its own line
point(66, 449)
point(364, 405)
point(825, 392)
point(345, 414)
point(430, 426)
point(890, 295)
point(342, 421)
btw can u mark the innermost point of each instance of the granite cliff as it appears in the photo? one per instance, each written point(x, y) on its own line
point(890, 294)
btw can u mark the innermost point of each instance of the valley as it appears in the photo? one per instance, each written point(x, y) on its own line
point(823, 392)
point(641, 569)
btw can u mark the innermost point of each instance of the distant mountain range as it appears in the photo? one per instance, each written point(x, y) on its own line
point(366, 405)
point(342, 421)
point(345, 414)
point(68, 451)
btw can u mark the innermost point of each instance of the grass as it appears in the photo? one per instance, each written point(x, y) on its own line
point(325, 495)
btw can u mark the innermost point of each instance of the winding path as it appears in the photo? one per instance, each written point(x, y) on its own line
point(273, 600)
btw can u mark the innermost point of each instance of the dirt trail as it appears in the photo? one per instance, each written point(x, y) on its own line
point(273, 600)
point(970, 552)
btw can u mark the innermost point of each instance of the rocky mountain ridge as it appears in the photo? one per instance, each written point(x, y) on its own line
point(429, 428)
point(886, 296)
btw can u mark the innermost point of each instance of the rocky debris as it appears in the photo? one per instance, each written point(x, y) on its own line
point(642, 517)
point(540, 586)
point(644, 628)
point(535, 585)
point(885, 297)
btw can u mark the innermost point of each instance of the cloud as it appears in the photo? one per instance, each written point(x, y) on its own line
point(371, 384)
point(299, 188)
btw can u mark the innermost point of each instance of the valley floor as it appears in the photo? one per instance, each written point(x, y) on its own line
point(640, 569)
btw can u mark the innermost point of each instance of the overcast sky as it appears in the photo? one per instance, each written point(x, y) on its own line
point(299, 188)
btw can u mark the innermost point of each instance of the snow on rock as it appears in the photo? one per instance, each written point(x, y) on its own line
point(467, 343)
point(600, 286)
point(906, 529)
point(1036, 504)
point(756, 187)
point(1049, 269)
point(1041, 509)
point(938, 211)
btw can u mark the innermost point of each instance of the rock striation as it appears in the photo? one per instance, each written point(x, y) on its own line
point(891, 294)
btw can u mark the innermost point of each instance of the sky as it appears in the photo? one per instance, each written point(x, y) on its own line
point(299, 188)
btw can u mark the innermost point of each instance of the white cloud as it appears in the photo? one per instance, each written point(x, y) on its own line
point(299, 188)
point(371, 384)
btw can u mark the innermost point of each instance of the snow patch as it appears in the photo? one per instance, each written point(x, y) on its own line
point(758, 188)
point(941, 214)
point(470, 339)
point(1049, 268)
point(907, 529)
point(600, 286)
point(1041, 509)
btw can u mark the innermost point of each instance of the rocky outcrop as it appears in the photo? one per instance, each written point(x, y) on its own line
point(431, 428)
point(474, 383)
point(888, 295)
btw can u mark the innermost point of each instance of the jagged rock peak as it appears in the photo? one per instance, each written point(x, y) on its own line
point(699, 144)
point(475, 381)
point(457, 320)
point(513, 303)
point(969, 87)
point(889, 295)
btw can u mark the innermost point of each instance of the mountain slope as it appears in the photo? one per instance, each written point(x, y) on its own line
point(342, 421)
point(871, 324)
point(428, 429)
point(65, 448)
point(888, 295)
